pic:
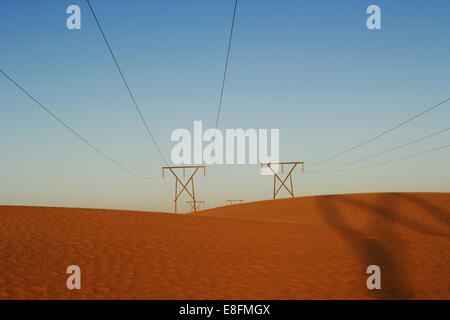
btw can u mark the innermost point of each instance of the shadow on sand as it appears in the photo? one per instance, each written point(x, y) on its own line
point(374, 251)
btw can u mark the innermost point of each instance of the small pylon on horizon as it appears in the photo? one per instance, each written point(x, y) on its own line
point(198, 204)
point(231, 202)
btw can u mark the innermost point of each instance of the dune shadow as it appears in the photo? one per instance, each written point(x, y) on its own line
point(370, 251)
point(385, 211)
point(440, 214)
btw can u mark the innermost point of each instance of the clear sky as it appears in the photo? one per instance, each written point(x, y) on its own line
point(309, 68)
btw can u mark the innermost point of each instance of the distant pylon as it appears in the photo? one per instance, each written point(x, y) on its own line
point(198, 204)
point(230, 202)
point(184, 185)
point(277, 177)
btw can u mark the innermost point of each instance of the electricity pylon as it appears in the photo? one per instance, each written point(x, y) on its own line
point(277, 177)
point(184, 186)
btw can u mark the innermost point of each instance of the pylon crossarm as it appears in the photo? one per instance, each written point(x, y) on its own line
point(269, 165)
point(289, 162)
point(184, 167)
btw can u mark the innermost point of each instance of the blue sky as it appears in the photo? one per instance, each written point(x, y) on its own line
point(310, 68)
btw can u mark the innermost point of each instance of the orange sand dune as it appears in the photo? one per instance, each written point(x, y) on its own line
point(302, 248)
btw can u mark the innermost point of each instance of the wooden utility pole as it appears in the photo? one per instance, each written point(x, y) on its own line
point(277, 177)
point(184, 186)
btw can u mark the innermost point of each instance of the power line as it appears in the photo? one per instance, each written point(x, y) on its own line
point(381, 134)
point(393, 160)
point(126, 83)
point(226, 64)
point(53, 115)
point(389, 150)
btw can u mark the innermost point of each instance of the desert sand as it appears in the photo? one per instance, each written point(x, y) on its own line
point(304, 248)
